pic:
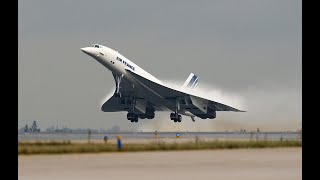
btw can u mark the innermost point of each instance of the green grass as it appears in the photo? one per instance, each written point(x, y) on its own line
point(27, 148)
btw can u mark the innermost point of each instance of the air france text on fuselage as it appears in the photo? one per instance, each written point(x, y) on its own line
point(125, 63)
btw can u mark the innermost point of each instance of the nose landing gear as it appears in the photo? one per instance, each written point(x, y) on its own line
point(117, 78)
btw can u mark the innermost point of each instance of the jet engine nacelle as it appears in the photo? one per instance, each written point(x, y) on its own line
point(210, 114)
point(149, 114)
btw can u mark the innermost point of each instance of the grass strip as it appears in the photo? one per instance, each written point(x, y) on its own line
point(28, 148)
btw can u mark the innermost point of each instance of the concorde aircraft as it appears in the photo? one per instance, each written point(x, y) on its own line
point(141, 94)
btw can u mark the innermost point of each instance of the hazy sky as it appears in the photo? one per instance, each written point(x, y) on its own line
point(246, 53)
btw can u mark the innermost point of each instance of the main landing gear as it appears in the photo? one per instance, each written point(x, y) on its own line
point(132, 117)
point(175, 117)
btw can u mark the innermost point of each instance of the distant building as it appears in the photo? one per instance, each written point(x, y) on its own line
point(114, 129)
point(26, 128)
point(33, 128)
point(50, 129)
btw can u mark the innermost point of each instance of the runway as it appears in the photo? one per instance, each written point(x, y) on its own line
point(246, 164)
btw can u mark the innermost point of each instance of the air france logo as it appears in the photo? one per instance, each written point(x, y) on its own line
point(125, 63)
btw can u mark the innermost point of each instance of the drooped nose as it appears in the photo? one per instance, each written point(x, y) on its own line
point(87, 50)
point(91, 51)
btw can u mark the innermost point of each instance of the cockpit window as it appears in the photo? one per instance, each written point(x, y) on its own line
point(96, 46)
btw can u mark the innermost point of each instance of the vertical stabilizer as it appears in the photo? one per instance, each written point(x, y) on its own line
point(191, 82)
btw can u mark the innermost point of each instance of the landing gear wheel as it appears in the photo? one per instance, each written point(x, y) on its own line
point(171, 116)
point(175, 117)
point(132, 117)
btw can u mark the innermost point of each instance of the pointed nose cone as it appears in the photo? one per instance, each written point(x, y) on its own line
point(90, 51)
point(85, 50)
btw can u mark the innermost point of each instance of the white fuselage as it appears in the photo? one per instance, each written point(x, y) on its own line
point(117, 63)
point(142, 94)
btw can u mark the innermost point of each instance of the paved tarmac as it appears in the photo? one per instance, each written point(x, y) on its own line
point(237, 164)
